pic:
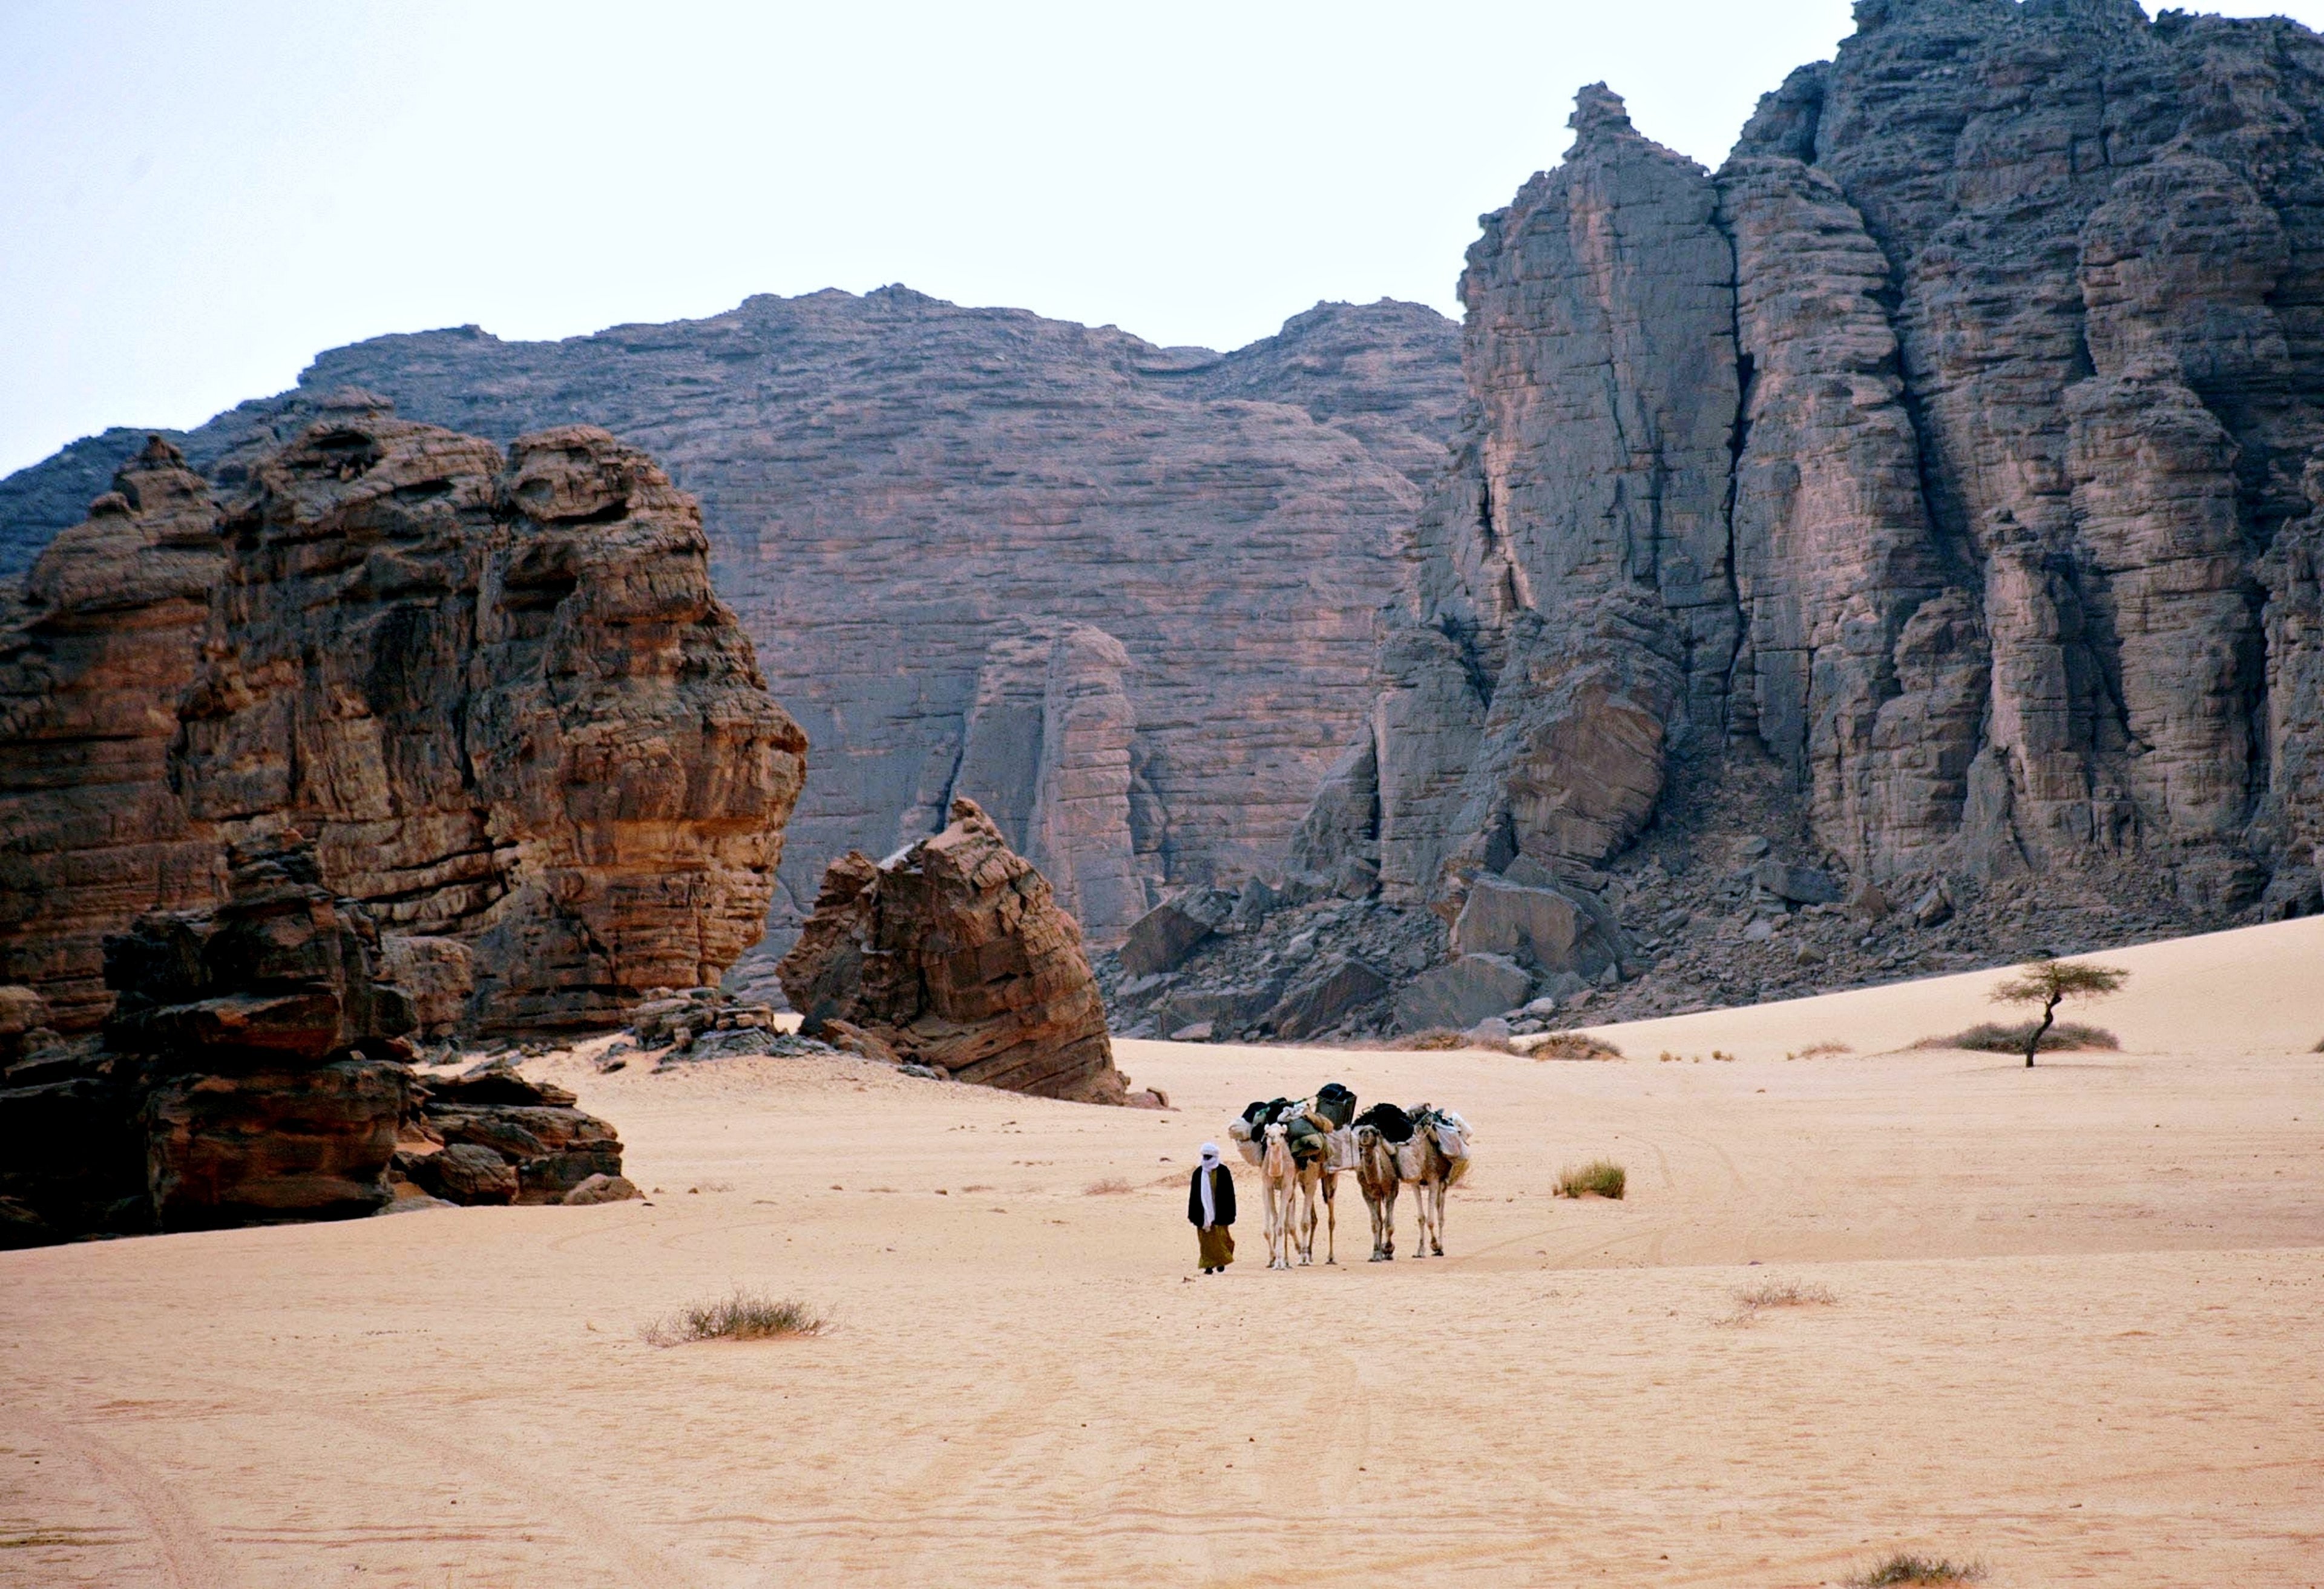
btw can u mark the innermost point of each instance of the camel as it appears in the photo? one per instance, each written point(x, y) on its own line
point(1293, 1184)
point(1279, 1181)
point(1385, 1167)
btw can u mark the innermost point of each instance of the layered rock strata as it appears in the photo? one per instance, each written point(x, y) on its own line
point(953, 954)
point(497, 691)
point(255, 1069)
point(273, 1069)
point(931, 518)
point(105, 638)
point(490, 1134)
point(1922, 491)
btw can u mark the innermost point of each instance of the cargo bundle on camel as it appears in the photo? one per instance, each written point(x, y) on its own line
point(1302, 1147)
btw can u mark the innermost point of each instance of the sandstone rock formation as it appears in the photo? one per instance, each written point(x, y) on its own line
point(953, 954)
point(254, 1070)
point(1120, 594)
point(274, 1076)
point(497, 692)
point(105, 638)
point(1927, 479)
point(492, 1135)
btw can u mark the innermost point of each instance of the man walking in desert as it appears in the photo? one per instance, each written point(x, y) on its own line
point(1211, 1210)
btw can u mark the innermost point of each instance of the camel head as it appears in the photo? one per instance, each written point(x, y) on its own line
point(1277, 1162)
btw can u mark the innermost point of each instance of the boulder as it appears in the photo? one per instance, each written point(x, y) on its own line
point(1457, 996)
point(271, 1049)
point(953, 954)
point(1934, 908)
point(547, 1145)
point(1161, 940)
point(1229, 1008)
point(1550, 928)
point(601, 1188)
point(264, 1146)
point(1336, 991)
point(1252, 906)
point(1801, 885)
point(466, 1173)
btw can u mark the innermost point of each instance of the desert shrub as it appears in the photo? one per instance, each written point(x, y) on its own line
point(1751, 1299)
point(2319, 1049)
point(1819, 1050)
point(1901, 1569)
point(742, 1316)
point(1574, 1045)
point(1988, 1037)
point(1600, 1178)
point(1435, 1037)
point(1112, 1186)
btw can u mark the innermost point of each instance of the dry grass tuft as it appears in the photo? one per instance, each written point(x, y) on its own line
point(1600, 1178)
point(1992, 1037)
point(1442, 1038)
point(1112, 1186)
point(2319, 1049)
point(742, 1316)
point(1902, 1569)
point(1819, 1050)
point(1574, 1045)
point(1751, 1300)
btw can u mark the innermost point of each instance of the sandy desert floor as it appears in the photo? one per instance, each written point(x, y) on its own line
point(2074, 1332)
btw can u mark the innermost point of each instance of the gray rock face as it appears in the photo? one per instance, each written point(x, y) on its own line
point(1940, 457)
point(1165, 935)
point(1342, 988)
point(1461, 993)
point(1547, 928)
point(1118, 594)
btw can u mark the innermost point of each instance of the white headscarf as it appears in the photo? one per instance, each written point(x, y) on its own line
point(1203, 1179)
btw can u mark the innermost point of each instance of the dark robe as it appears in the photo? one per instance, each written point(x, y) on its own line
point(1221, 1195)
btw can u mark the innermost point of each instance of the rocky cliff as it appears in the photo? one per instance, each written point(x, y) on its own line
point(1120, 595)
point(496, 691)
point(1919, 498)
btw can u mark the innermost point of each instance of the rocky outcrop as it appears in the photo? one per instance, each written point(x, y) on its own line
point(254, 1069)
point(490, 1134)
point(954, 954)
point(273, 1065)
point(924, 513)
point(105, 638)
point(497, 692)
point(1920, 492)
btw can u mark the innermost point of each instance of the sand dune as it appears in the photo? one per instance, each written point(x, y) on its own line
point(2073, 1332)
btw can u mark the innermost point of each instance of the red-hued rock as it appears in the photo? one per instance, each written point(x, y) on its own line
point(497, 692)
point(953, 954)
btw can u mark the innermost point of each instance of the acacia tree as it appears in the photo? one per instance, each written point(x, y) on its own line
point(2050, 982)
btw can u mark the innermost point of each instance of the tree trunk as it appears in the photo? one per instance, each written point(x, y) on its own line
point(2049, 1013)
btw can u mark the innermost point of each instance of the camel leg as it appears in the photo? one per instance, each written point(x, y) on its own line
point(1330, 1220)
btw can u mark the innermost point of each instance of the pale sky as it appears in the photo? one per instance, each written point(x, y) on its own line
point(196, 198)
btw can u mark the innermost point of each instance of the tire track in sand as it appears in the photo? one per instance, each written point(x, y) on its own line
point(189, 1551)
